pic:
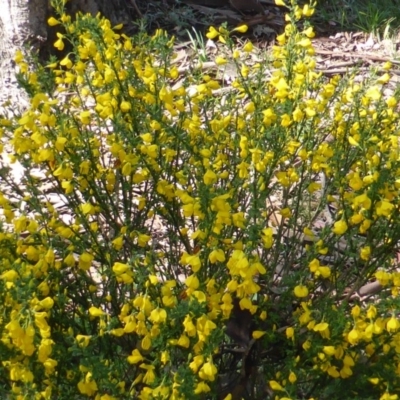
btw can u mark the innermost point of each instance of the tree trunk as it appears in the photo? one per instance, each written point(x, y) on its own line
point(18, 23)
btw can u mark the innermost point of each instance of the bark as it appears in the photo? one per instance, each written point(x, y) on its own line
point(15, 30)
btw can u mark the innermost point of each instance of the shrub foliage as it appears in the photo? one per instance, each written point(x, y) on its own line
point(175, 235)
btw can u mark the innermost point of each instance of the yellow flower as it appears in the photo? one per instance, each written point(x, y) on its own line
point(45, 350)
point(290, 332)
point(258, 334)
point(353, 336)
point(280, 3)
point(306, 43)
point(164, 357)
point(306, 345)
point(309, 32)
point(120, 268)
point(307, 11)
point(285, 212)
point(212, 33)
point(248, 47)
point(143, 239)
point(388, 396)
point(267, 238)
point(210, 177)
point(391, 103)
point(373, 93)
point(196, 363)
point(383, 277)
point(166, 95)
point(204, 327)
point(220, 60)
point(241, 29)
point(149, 376)
point(190, 329)
point(384, 208)
point(300, 291)
point(365, 253)
point(66, 62)
point(355, 311)
point(192, 282)
point(125, 106)
point(118, 243)
point(135, 357)
point(183, 341)
point(117, 332)
point(324, 271)
point(339, 227)
point(274, 384)
point(202, 387)
point(348, 361)
point(96, 312)
point(208, 371)
point(282, 87)
point(85, 117)
point(88, 386)
point(10, 275)
point(192, 260)
point(47, 303)
point(217, 255)
point(146, 343)
point(59, 44)
point(87, 208)
point(353, 141)
point(322, 326)
point(385, 78)
point(19, 57)
point(371, 312)
point(392, 325)
point(158, 315)
point(333, 372)
point(387, 65)
point(329, 350)
point(82, 340)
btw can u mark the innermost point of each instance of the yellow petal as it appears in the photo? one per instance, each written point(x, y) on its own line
point(258, 334)
point(275, 385)
point(301, 291)
point(241, 29)
point(220, 60)
point(352, 141)
point(52, 21)
point(212, 33)
point(95, 312)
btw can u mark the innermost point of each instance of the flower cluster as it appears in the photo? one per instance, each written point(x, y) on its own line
point(176, 236)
